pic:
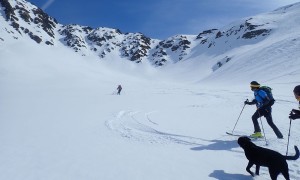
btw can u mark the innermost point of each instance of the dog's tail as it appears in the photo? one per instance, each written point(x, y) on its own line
point(295, 157)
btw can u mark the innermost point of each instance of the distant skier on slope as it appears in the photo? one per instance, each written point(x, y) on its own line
point(263, 104)
point(295, 114)
point(119, 88)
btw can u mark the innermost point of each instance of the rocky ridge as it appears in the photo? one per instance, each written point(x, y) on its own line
point(28, 20)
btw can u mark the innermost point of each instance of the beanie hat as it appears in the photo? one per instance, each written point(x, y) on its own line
point(297, 90)
point(254, 84)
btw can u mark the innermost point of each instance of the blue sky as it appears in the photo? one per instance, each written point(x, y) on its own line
point(156, 18)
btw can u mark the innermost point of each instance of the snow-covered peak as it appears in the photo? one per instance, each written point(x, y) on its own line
point(21, 19)
point(28, 20)
point(292, 7)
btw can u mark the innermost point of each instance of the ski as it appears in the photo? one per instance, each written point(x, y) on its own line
point(252, 138)
point(240, 135)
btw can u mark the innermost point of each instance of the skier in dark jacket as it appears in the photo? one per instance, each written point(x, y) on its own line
point(295, 114)
point(263, 104)
point(119, 88)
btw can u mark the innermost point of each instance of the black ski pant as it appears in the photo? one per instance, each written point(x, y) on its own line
point(267, 113)
point(119, 91)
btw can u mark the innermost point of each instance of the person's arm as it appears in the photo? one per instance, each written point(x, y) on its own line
point(250, 102)
point(294, 116)
point(263, 95)
point(295, 111)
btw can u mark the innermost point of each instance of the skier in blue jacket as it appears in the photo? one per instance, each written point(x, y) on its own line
point(263, 104)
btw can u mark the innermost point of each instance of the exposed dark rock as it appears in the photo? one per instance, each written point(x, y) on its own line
point(253, 34)
point(26, 31)
point(71, 37)
point(15, 25)
point(49, 43)
point(205, 33)
point(45, 20)
point(219, 34)
point(35, 38)
point(24, 14)
point(159, 53)
point(250, 26)
point(160, 62)
point(87, 29)
point(211, 44)
point(8, 9)
point(99, 41)
point(203, 41)
point(220, 63)
point(166, 44)
point(138, 47)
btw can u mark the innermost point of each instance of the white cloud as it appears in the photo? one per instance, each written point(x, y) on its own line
point(47, 4)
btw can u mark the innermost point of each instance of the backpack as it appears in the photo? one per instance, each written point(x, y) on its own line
point(268, 90)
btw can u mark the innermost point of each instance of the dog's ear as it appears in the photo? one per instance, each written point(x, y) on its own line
point(240, 141)
point(243, 141)
point(247, 138)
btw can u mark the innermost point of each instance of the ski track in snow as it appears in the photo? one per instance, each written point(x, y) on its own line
point(127, 125)
point(138, 126)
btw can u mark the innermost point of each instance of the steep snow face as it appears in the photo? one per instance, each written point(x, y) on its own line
point(20, 19)
point(28, 20)
point(274, 44)
point(248, 31)
point(172, 50)
point(103, 41)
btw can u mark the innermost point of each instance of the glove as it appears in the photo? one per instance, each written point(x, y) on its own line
point(295, 111)
point(250, 103)
point(294, 116)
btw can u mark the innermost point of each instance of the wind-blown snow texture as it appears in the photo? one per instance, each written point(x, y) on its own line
point(60, 117)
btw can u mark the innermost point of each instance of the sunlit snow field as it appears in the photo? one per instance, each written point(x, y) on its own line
point(61, 119)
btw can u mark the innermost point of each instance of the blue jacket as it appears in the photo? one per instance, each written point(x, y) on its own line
point(261, 98)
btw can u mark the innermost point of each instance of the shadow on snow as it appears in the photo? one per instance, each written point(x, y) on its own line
point(218, 145)
point(221, 175)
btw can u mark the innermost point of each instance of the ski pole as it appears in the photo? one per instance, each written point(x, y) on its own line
point(287, 147)
point(263, 129)
point(238, 118)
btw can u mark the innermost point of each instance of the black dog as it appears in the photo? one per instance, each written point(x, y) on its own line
point(259, 156)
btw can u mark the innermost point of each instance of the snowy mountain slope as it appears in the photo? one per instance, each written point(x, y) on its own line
point(60, 117)
point(20, 19)
point(250, 58)
point(61, 120)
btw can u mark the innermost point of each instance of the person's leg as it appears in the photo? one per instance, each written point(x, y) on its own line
point(255, 122)
point(268, 116)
